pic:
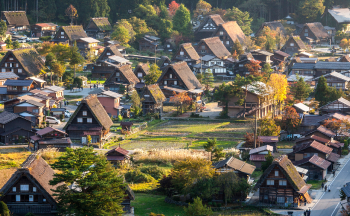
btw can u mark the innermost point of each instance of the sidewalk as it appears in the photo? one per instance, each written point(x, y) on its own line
point(316, 195)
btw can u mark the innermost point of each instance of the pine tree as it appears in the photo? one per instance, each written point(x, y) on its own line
point(98, 186)
point(321, 91)
point(75, 57)
point(153, 75)
point(216, 153)
point(207, 80)
point(301, 90)
point(237, 48)
point(182, 20)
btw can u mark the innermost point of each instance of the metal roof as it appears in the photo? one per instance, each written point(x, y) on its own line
point(341, 15)
point(304, 66)
point(118, 59)
point(18, 82)
point(333, 65)
point(89, 40)
point(302, 107)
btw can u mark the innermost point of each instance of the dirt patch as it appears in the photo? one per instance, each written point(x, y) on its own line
point(166, 134)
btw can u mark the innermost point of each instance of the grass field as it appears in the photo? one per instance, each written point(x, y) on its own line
point(147, 203)
point(12, 157)
point(73, 97)
point(285, 144)
point(316, 184)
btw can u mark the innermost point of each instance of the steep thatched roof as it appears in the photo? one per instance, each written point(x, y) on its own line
point(74, 32)
point(318, 30)
point(97, 111)
point(127, 72)
point(290, 172)
point(274, 25)
point(112, 49)
point(300, 44)
point(216, 47)
point(190, 51)
point(216, 18)
point(143, 66)
point(156, 93)
point(233, 30)
point(102, 23)
point(17, 18)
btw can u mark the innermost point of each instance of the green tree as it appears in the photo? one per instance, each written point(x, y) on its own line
point(58, 69)
point(268, 162)
point(4, 211)
point(207, 80)
point(268, 127)
point(153, 74)
point(165, 28)
point(98, 186)
point(215, 151)
point(310, 9)
point(121, 34)
point(182, 20)
point(242, 19)
point(16, 45)
point(50, 60)
point(300, 90)
point(321, 91)
point(78, 82)
point(197, 208)
point(8, 42)
point(76, 58)
point(223, 94)
point(266, 70)
point(237, 48)
point(136, 103)
point(139, 26)
point(3, 28)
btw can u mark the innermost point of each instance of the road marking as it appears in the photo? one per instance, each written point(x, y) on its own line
point(330, 185)
point(335, 209)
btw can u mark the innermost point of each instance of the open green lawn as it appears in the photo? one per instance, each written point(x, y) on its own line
point(73, 97)
point(316, 184)
point(146, 203)
point(285, 144)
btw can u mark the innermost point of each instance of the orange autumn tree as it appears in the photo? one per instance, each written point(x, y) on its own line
point(254, 68)
point(180, 100)
point(173, 6)
point(72, 13)
point(290, 119)
point(334, 125)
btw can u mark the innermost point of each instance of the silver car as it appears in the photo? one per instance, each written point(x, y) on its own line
point(52, 120)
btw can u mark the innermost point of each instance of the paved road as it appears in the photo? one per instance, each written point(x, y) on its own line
point(328, 205)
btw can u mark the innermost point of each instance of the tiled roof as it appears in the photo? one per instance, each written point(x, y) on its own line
point(325, 131)
point(302, 107)
point(65, 140)
point(332, 65)
point(279, 52)
point(8, 75)
point(315, 160)
point(18, 82)
point(48, 130)
point(313, 120)
point(119, 150)
point(257, 157)
point(235, 164)
point(110, 94)
point(333, 157)
point(341, 100)
point(336, 75)
point(261, 148)
point(6, 117)
point(346, 189)
point(315, 145)
point(341, 15)
point(271, 139)
point(54, 88)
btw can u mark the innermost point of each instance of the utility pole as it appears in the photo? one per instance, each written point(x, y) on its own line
point(256, 127)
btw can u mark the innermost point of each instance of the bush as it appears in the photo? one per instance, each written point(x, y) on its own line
point(197, 208)
point(136, 176)
point(194, 115)
point(45, 38)
point(120, 118)
point(312, 112)
point(4, 211)
point(344, 152)
point(154, 171)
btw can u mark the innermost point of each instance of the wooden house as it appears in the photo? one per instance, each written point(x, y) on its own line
point(323, 68)
point(149, 43)
point(55, 92)
point(307, 149)
point(152, 99)
point(69, 34)
point(316, 165)
point(118, 155)
point(141, 70)
point(293, 45)
point(108, 42)
point(110, 102)
point(49, 138)
point(90, 118)
point(178, 77)
point(301, 108)
point(340, 105)
point(31, 106)
point(212, 46)
point(18, 87)
point(281, 184)
point(101, 69)
point(263, 56)
point(15, 20)
point(163, 62)
point(126, 126)
point(336, 80)
point(346, 190)
point(334, 144)
point(228, 33)
point(303, 69)
point(208, 26)
point(187, 53)
point(43, 29)
point(24, 62)
point(211, 64)
point(38, 83)
point(344, 58)
point(269, 140)
point(342, 18)
point(239, 67)
point(274, 26)
point(98, 27)
point(169, 46)
point(257, 155)
point(231, 164)
point(14, 128)
point(259, 100)
point(279, 56)
point(314, 33)
point(322, 132)
point(28, 190)
point(123, 75)
point(88, 45)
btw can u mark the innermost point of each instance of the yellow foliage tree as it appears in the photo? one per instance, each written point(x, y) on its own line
point(344, 43)
point(279, 85)
point(202, 8)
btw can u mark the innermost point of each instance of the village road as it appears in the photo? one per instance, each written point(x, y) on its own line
point(328, 205)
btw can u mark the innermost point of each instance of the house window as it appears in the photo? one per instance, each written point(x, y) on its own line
point(276, 173)
point(11, 59)
point(19, 70)
point(306, 30)
point(165, 64)
point(108, 53)
point(240, 65)
point(80, 120)
point(202, 51)
point(24, 188)
point(280, 199)
point(34, 189)
point(14, 88)
point(31, 198)
point(270, 182)
point(283, 182)
point(306, 34)
point(3, 70)
point(62, 36)
point(221, 33)
point(168, 45)
point(25, 88)
point(181, 53)
point(89, 120)
point(18, 198)
point(35, 110)
point(165, 82)
point(175, 82)
point(203, 47)
point(44, 200)
point(291, 44)
point(117, 74)
point(170, 76)
point(16, 64)
point(62, 33)
point(227, 42)
point(139, 75)
point(84, 113)
point(14, 189)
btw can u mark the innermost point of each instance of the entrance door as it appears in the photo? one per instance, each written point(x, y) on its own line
point(83, 140)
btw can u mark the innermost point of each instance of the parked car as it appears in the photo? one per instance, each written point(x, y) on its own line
point(293, 136)
point(67, 114)
point(78, 103)
point(52, 120)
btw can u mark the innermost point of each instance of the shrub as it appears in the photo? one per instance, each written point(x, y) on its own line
point(194, 115)
point(45, 38)
point(197, 208)
point(312, 112)
point(344, 152)
point(154, 214)
point(4, 211)
point(154, 171)
point(120, 118)
point(137, 176)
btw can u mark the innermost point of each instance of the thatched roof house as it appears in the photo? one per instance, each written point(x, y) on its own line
point(69, 34)
point(274, 26)
point(212, 46)
point(208, 26)
point(229, 32)
point(98, 27)
point(15, 19)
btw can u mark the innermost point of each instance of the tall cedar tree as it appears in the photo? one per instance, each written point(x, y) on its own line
point(75, 57)
point(216, 153)
point(300, 90)
point(3, 28)
point(182, 20)
point(237, 48)
point(98, 187)
point(153, 74)
point(242, 19)
point(321, 91)
point(207, 80)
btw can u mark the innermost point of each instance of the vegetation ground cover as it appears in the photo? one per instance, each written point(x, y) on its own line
point(285, 144)
point(316, 184)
